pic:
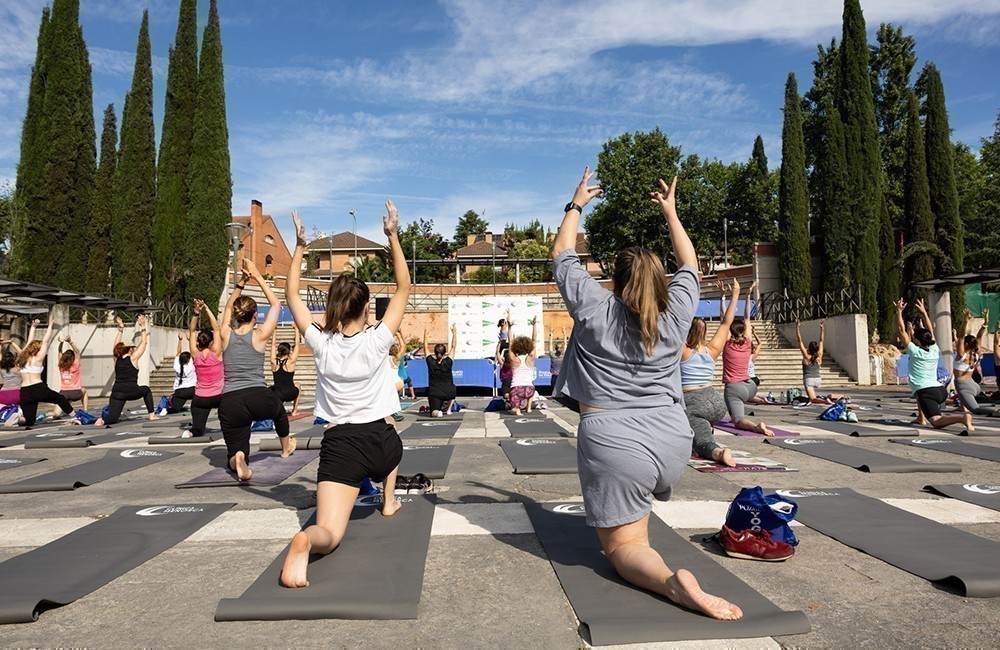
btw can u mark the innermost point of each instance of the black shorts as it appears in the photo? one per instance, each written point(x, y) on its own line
point(930, 400)
point(287, 393)
point(72, 395)
point(350, 452)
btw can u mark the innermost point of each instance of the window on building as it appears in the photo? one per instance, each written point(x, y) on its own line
point(268, 239)
point(268, 261)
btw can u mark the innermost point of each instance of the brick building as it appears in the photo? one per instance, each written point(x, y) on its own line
point(262, 242)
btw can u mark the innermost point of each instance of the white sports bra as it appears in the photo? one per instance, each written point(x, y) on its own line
point(32, 370)
point(961, 366)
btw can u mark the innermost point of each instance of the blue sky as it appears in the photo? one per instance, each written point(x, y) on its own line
point(496, 106)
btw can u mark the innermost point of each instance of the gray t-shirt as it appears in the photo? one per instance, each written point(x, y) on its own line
point(605, 364)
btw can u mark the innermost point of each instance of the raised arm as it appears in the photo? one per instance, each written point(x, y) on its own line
point(425, 342)
point(401, 342)
point(393, 316)
point(900, 325)
point(11, 343)
point(566, 237)
point(822, 338)
point(265, 329)
point(46, 338)
point(534, 335)
point(214, 324)
point(756, 344)
point(293, 356)
point(718, 341)
point(32, 330)
point(300, 311)
point(928, 323)
point(180, 339)
point(454, 341)
point(143, 326)
point(684, 251)
point(227, 311)
point(798, 336)
point(193, 327)
point(980, 336)
point(274, 348)
point(121, 330)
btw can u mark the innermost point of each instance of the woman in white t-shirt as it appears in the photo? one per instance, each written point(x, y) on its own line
point(355, 393)
point(185, 379)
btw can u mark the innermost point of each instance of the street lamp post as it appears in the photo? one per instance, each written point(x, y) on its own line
point(235, 230)
point(725, 240)
point(354, 215)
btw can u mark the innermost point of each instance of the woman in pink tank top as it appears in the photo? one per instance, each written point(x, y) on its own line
point(739, 387)
point(208, 365)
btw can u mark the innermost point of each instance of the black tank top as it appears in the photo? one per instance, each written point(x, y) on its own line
point(126, 374)
point(439, 373)
point(283, 377)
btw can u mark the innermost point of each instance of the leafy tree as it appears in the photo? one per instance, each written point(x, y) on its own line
point(794, 259)
point(983, 228)
point(830, 203)
point(628, 168)
point(534, 230)
point(210, 181)
point(821, 95)
point(8, 208)
point(920, 250)
point(420, 236)
point(135, 179)
point(369, 269)
point(469, 223)
point(176, 140)
point(759, 159)
point(99, 255)
point(701, 201)
point(751, 207)
point(528, 249)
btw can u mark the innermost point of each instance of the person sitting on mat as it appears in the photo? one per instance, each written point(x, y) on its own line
point(924, 355)
point(70, 381)
point(704, 405)
point(185, 379)
point(739, 389)
point(126, 386)
point(441, 390)
point(521, 357)
point(812, 359)
point(354, 393)
point(10, 375)
point(34, 391)
point(207, 361)
point(284, 357)
point(966, 367)
point(623, 367)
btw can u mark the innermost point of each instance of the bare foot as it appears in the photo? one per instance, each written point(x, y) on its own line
point(517, 411)
point(293, 572)
point(762, 428)
point(99, 422)
point(683, 589)
point(294, 413)
point(724, 456)
point(153, 416)
point(390, 505)
point(292, 444)
point(241, 468)
point(968, 422)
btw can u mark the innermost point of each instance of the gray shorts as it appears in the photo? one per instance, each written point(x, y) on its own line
point(628, 457)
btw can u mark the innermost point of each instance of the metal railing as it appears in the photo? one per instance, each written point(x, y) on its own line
point(780, 308)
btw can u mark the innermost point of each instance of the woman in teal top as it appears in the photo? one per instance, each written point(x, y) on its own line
point(924, 355)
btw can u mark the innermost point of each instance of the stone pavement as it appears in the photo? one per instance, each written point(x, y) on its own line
point(488, 582)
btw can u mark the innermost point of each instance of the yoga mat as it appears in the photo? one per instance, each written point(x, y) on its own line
point(33, 437)
point(923, 547)
point(987, 496)
point(268, 467)
point(866, 460)
point(8, 463)
point(85, 439)
point(745, 462)
point(310, 442)
point(89, 558)
point(728, 427)
point(850, 428)
point(177, 440)
point(957, 429)
point(535, 428)
point(431, 461)
point(618, 613)
point(537, 414)
point(377, 572)
point(528, 456)
point(114, 463)
point(432, 428)
point(983, 452)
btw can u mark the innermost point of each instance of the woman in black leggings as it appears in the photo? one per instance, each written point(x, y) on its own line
point(440, 383)
point(284, 356)
point(126, 386)
point(34, 391)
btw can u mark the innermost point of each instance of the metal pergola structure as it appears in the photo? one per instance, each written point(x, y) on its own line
point(985, 276)
point(30, 299)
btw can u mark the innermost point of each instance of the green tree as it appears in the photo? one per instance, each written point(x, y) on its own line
point(794, 259)
point(176, 139)
point(210, 181)
point(983, 229)
point(941, 179)
point(701, 201)
point(469, 223)
point(758, 158)
point(969, 183)
point(864, 166)
point(920, 250)
point(822, 94)
point(99, 255)
point(369, 269)
point(420, 236)
point(534, 230)
point(528, 249)
point(135, 179)
point(8, 208)
point(830, 203)
point(628, 168)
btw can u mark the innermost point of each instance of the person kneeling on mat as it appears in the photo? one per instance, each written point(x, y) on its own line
point(967, 360)
point(441, 391)
point(521, 357)
point(126, 386)
point(355, 393)
point(33, 390)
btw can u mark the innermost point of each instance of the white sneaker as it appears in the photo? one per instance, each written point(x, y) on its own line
point(187, 434)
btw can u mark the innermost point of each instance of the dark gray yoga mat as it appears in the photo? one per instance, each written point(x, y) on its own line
point(431, 428)
point(431, 461)
point(33, 436)
point(535, 428)
point(617, 613)
point(987, 496)
point(89, 558)
point(10, 463)
point(540, 456)
point(859, 458)
point(852, 429)
point(177, 440)
point(936, 552)
point(537, 414)
point(86, 439)
point(377, 572)
point(114, 463)
point(957, 429)
point(268, 467)
point(983, 452)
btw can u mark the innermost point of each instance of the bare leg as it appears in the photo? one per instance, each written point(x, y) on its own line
point(723, 455)
point(389, 502)
point(942, 421)
point(334, 503)
point(627, 548)
point(238, 464)
point(288, 445)
point(86, 399)
point(295, 404)
point(750, 425)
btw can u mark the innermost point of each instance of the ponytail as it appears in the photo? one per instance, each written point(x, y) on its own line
point(640, 281)
point(346, 301)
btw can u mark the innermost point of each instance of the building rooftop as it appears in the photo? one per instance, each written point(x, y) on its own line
point(344, 241)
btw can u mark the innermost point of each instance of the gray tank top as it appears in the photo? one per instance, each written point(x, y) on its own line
point(244, 365)
point(810, 371)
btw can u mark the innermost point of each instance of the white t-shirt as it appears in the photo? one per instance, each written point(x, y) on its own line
point(355, 383)
point(190, 376)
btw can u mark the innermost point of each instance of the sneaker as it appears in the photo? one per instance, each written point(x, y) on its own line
point(420, 484)
point(402, 484)
point(851, 417)
point(754, 545)
point(187, 434)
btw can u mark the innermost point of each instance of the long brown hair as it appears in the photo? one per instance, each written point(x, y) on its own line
point(738, 331)
point(696, 335)
point(642, 285)
point(813, 351)
point(244, 308)
point(346, 301)
point(27, 352)
point(66, 360)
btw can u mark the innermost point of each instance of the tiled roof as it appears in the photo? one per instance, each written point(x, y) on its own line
point(481, 249)
point(344, 241)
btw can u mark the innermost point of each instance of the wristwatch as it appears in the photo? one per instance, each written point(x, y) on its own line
point(573, 206)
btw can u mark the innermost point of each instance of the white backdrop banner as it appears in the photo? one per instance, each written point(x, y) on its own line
point(477, 316)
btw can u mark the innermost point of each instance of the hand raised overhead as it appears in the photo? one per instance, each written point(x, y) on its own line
point(390, 220)
point(585, 193)
point(300, 230)
point(665, 197)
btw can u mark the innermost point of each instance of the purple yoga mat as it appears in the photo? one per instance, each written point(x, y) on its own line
point(727, 426)
point(269, 468)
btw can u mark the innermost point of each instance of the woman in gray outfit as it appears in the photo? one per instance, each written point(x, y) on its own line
point(622, 366)
point(967, 359)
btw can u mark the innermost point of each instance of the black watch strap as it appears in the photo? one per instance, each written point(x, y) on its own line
point(573, 206)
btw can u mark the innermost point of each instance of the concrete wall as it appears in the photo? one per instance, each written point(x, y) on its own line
point(846, 341)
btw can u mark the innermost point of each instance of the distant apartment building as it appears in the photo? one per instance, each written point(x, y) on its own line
point(336, 252)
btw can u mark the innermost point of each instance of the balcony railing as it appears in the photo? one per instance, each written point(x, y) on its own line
point(779, 308)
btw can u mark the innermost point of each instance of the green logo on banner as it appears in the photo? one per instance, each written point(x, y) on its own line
point(487, 341)
point(487, 323)
point(487, 304)
point(532, 304)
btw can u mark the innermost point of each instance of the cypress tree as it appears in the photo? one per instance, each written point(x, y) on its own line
point(73, 268)
point(793, 199)
point(759, 158)
point(941, 179)
point(99, 259)
point(169, 220)
point(984, 232)
point(889, 274)
point(210, 184)
point(834, 217)
point(920, 223)
point(135, 179)
point(864, 166)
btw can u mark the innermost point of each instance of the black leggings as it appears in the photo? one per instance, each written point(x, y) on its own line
point(118, 399)
point(287, 392)
point(241, 408)
point(179, 399)
point(929, 400)
point(32, 396)
point(201, 408)
point(437, 400)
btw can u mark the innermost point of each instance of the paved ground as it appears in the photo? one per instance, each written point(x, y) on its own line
point(488, 582)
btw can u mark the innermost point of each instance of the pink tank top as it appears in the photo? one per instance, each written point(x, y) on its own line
point(736, 361)
point(211, 377)
point(70, 379)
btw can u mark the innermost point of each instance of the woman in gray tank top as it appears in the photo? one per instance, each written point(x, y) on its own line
point(245, 396)
point(812, 359)
point(623, 367)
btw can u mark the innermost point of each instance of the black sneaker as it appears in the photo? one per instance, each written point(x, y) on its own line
point(403, 484)
point(420, 484)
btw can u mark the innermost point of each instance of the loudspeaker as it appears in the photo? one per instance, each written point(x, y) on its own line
point(381, 304)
